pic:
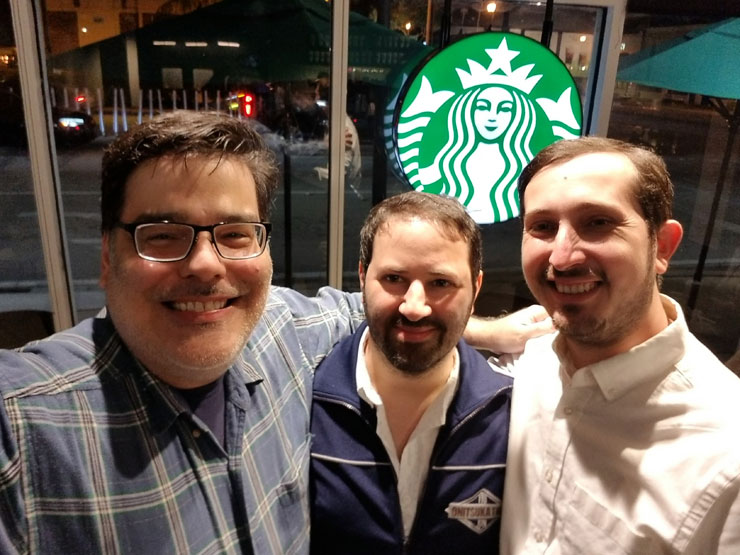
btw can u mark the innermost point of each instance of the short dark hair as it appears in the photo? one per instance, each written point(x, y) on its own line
point(185, 135)
point(445, 212)
point(653, 188)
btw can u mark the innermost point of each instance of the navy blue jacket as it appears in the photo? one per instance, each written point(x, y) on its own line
point(354, 498)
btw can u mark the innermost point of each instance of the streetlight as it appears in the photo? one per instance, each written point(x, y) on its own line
point(490, 8)
point(407, 27)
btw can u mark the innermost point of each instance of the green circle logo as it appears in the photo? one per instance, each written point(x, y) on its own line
point(476, 113)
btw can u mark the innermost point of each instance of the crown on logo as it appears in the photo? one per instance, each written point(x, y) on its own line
point(499, 72)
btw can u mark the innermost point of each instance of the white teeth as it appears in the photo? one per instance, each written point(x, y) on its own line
point(575, 289)
point(199, 306)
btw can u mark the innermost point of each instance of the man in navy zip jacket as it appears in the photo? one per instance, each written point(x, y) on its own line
point(409, 423)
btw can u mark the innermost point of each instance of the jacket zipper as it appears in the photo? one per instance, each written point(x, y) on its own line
point(407, 541)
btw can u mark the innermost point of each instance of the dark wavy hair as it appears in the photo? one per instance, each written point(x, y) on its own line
point(445, 212)
point(653, 188)
point(185, 135)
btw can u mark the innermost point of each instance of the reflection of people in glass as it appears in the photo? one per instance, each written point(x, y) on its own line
point(352, 155)
point(490, 128)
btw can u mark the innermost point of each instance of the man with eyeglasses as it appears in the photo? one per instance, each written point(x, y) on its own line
point(177, 421)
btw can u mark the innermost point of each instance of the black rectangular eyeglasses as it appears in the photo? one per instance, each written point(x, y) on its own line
point(173, 241)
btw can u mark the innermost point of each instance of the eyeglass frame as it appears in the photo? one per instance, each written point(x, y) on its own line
point(132, 226)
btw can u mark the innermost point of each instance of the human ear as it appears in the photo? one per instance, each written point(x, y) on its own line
point(668, 238)
point(105, 260)
point(478, 283)
point(361, 275)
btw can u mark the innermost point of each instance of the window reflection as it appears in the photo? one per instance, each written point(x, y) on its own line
point(23, 286)
point(120, 62)
point(694, 134)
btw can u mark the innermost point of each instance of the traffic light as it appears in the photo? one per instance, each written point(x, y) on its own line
point(247, 104)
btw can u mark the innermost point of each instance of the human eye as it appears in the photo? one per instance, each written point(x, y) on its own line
point(236, 234)
point(441, 283)
point(599, 222)
point(541, 228)
point(598, 225)
point(392, 278)
point(162, 233)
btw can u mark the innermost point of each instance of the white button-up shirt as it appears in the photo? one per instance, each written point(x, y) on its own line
point(639, 453)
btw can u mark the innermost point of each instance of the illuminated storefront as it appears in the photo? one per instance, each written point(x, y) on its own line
point(288, 64)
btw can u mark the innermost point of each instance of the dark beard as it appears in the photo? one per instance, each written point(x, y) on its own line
point(414, 359)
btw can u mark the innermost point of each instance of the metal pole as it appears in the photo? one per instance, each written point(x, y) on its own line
point(338, 103)
point(446, 26)
point(288, 200)
point(547, 24)
point(27, 20)
point(124, 115)
point(101, 121)
point(734, 123)
point(430, 19)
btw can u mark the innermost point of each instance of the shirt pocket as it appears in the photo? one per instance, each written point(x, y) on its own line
point(590, 527)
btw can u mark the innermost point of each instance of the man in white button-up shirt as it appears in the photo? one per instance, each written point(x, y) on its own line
point(625, 431)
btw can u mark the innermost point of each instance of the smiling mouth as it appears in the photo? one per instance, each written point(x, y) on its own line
point(575, 289)
point(197, 306)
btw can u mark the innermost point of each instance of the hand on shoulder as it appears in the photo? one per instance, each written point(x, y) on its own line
point(508, 334)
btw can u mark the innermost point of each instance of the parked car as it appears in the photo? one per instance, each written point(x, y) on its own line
point(71, 127)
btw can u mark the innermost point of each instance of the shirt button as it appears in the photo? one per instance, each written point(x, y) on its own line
point(539, 537)
point(196, 433)
point(568, 411)
point(548, 475)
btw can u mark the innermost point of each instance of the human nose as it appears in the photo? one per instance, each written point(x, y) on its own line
point(415, 306)
point(203, 261)
point(566, 249)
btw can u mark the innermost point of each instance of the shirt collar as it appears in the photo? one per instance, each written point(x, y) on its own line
point(369, 394)
point(649, 361)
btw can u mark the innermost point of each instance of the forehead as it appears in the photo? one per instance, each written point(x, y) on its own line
point(596, 177)
point(173, 182)
point(410, 239)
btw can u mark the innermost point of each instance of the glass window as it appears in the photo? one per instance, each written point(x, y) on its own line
point(112, 64)
point(268, 62)
point(696, 134)
point(406, 35)
point(24, 294)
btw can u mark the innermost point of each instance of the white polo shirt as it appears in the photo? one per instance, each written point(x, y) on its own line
point(413, 466)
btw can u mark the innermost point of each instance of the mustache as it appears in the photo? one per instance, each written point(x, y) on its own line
point(577, 272)
point(424, 322)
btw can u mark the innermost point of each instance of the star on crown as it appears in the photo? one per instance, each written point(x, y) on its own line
point(499, 72)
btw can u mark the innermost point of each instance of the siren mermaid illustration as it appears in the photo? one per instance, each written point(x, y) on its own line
point(490, 130)
point(477, 140)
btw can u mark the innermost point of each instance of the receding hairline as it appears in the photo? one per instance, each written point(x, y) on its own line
point(634, 174)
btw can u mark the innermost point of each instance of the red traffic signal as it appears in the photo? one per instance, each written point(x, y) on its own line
point(247, 104)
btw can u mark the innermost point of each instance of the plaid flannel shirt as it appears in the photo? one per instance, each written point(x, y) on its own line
point(98, 456)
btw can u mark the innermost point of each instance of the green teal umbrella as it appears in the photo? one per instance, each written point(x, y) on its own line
point(272, 40)
point(704, 61)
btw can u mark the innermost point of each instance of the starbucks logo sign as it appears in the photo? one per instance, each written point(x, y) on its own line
point(476, 113)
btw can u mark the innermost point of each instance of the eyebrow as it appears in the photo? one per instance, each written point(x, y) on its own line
point(586, 206)
point(434, 273)
point(151, 217)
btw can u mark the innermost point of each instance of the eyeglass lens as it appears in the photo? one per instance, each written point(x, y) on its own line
point(170, 241)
